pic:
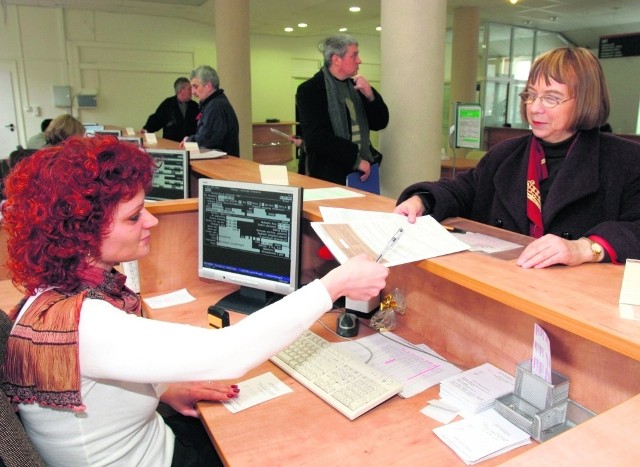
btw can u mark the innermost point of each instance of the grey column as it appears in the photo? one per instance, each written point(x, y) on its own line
point(464, 62)
point(412, 71)
point(234, 64)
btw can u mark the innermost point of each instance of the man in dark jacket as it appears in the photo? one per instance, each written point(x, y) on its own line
point(176, 115)
point(337, 109)
point(217, 126)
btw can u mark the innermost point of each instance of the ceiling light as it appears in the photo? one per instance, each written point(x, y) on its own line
point(378, 28)
point(302, 25)
point(513, 2)
point(342, 29)
point(288, 29)
point(354, 9)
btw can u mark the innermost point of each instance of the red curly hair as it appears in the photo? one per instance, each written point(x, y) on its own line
point(60, 204)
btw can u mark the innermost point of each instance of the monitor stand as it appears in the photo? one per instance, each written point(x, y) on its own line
point(247, 300)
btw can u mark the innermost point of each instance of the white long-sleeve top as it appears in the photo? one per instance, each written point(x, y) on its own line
point(123, 358)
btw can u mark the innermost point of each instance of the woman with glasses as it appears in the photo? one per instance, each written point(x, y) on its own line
point(573, 188)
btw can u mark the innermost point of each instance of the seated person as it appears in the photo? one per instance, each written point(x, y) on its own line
point(7, 164)
point(38, 141)
point(61, 128)
point(573, 188)
point(85, 370)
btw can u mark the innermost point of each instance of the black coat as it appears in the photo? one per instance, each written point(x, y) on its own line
point(168, 117)
point(596, 192)
point(329, 157)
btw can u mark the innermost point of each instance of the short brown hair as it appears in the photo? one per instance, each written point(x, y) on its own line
point(61, 128)
point(579, 69)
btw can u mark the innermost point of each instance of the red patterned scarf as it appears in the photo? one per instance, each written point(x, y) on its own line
point(536, 172)
point(42, 364)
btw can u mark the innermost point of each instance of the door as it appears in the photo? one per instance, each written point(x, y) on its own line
point(8, 121)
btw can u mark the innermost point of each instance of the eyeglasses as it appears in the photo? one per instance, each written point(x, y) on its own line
point(547, 101)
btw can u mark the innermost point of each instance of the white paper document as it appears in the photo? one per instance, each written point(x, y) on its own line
point(255, 391)
point(477, 389)
point(319, 194)
point(482, 436)
point(170, 299)
point(401, 360)
point(486, 243)
point(347, 238)
point(541, 359)
point(630, 290)
point(279, 133)
point(274, 174)
point(205, 154)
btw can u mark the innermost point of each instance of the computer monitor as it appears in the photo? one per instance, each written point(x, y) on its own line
point(91, 128)
point(249, 235)
point(171, 178)
point(108, 132)
point(137, 140)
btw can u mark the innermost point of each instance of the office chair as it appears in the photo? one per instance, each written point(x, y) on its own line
point(16, 449)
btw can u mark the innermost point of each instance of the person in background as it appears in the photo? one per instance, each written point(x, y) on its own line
point(87, 393)
point(573, 188)
point(217, 126)
point(38, 141)
point(176, 115)
point(6, 165)
point(337, 109)
point(63, 127)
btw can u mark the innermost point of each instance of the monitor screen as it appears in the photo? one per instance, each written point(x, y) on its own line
point(108, 132)
point(137, 140)
point(249, 235)
point(91, 128)
point(171, 178)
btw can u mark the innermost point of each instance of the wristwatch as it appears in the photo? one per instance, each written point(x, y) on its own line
point(596, 248)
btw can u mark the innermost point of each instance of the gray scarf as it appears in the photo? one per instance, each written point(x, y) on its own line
point(338, 114)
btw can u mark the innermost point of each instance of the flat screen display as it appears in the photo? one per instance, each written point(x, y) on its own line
point(171, 178)
point(249, 235)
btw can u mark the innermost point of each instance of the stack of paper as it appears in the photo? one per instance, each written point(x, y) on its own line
point(482, 436)
point(477, 389)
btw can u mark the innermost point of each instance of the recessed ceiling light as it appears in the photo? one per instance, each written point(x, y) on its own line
point(378, 28)
point(288, 29)
point(354, 9)
point(342, 29)
point(302, 25)
point(513, 2)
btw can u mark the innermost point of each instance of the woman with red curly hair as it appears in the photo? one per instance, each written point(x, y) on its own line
point(84, 369)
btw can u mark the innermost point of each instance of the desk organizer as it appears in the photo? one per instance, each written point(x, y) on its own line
point(540, 408)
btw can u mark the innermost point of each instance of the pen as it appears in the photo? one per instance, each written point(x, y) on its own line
point(393, 241)
point(454, 229)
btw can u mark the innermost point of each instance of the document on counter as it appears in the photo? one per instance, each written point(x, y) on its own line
point(255, 391)
point(170, 299)
point(629, 302)
point(424, 239)
point(319, 194)
point(409, 364)
point(482, 436)
point(274, 174)
point(477, 389)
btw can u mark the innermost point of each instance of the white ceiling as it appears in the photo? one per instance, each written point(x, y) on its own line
point(581, 21)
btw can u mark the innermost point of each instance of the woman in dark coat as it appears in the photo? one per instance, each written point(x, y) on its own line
point(573, 188)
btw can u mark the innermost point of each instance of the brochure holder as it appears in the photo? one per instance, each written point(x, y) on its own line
point(540, 408)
